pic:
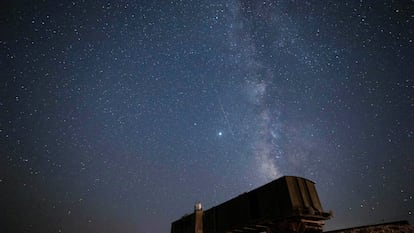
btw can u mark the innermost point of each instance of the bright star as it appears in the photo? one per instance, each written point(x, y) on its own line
point(220, 133)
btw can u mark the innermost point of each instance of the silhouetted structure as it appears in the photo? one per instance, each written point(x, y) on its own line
point(288, 204)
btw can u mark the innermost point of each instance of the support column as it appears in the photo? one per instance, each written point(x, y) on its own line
point(198, 212)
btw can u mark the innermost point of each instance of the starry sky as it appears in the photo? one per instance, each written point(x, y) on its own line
point(118, 116)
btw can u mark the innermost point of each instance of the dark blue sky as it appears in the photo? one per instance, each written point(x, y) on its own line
point(118, 116)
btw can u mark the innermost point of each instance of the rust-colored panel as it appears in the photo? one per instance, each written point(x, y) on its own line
point(314, 196)
point(304, 192)
point(294, 192)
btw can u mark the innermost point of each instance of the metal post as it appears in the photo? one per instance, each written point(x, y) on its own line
point(198, 212)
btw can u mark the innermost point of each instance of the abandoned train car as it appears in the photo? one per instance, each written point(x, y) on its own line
point(289, 204)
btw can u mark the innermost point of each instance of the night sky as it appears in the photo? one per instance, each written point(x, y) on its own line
point(118, 116)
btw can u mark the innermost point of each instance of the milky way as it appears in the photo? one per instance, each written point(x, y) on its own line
point(119, 116)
